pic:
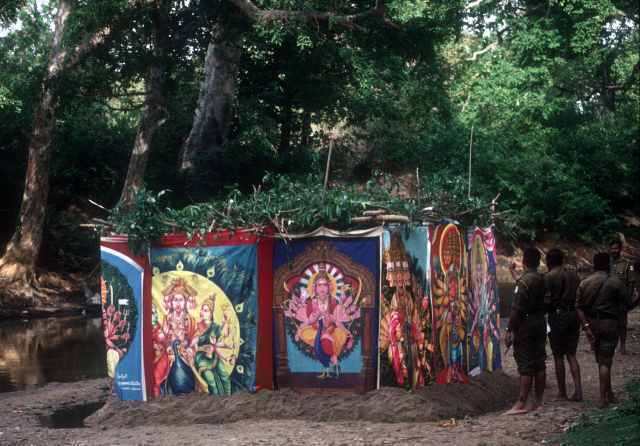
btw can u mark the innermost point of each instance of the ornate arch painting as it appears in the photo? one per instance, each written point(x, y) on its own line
point(326, 313)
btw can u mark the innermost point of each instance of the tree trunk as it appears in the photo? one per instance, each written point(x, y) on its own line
point(21, 255)
point(153, 111)
point(214, 110)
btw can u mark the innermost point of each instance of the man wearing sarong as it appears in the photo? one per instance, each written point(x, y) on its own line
point(562, 286)
point(527, 331)
point(602, 299)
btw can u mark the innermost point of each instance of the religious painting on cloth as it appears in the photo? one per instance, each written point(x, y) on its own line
point(326, 287)
point(205, 313)
point(484, 315)
point(405, 342)
point(450, 312)
point(122, 286)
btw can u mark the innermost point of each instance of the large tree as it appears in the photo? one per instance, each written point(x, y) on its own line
point(18, 264)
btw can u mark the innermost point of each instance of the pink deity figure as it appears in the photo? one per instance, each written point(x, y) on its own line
point(321, 320)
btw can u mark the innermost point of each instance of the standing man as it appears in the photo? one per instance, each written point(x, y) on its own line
point(602, 299)
point(562, 286)
point(527, 331)
point(622, 269)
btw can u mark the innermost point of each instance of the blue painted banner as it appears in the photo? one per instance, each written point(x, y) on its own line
point(122, 315)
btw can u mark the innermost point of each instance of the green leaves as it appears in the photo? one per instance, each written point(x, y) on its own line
point(292, 205)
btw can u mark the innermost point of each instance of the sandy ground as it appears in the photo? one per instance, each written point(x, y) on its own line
point(455, 415)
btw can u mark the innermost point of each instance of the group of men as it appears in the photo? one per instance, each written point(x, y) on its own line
point(562, 302)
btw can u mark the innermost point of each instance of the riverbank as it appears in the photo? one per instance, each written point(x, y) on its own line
point(465, 415)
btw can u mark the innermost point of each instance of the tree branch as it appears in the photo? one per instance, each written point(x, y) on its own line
point(249, 9)
point(490, 47)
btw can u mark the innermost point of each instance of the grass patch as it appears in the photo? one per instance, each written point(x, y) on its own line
point(617, 425)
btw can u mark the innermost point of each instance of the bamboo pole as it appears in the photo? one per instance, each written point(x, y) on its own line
point(470, 153)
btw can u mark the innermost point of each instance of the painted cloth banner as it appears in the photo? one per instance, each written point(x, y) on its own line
point(204, 319)
point(122, 291)
point(484, 314)
point(450, 312)
point(405, 321)
point(326, 314)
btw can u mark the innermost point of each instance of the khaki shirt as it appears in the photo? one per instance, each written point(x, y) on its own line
point(562, 286)
point(602, 295)
point(621, 268)
point(530, 293)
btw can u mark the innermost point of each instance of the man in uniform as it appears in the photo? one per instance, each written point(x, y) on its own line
point(527, 331)
point(623, 270)
point(602, 300)
point(562, 286)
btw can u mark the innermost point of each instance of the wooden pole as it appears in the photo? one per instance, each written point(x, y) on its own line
point(326, 171)
point(470, 152)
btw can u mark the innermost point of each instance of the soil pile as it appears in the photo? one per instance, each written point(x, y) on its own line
point(485, 393)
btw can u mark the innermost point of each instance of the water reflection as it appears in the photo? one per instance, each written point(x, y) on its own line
point(46, 350)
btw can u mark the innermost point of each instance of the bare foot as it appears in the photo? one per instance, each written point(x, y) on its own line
point(516, 411)
point(576, 397)
point(533, 405)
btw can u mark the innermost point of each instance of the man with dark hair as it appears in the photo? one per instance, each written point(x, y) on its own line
point(621, 268)
point(602, 299)
point(527, 331)
point(562, 286)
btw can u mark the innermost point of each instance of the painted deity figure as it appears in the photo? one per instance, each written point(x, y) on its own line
point(321, 321)
point(176, 335)
point(115, 328)
point(450, 312)
point(209, 357)
point(483, 329)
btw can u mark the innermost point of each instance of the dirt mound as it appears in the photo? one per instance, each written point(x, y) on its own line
point(488, 392)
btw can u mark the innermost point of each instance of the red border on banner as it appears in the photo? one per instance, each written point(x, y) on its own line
point(265, 246)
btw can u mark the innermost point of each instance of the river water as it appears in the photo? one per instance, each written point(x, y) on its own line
point(41, 351)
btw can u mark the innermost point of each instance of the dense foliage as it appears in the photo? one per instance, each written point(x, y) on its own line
point(544, 93)
point(293, 205)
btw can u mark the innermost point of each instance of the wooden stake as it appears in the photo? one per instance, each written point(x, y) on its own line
point(326, 171)
point(470, 152)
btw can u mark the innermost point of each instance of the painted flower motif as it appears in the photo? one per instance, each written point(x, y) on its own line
point(211, 272)
point(180, 266)
point(239, 307)
point(156, 271)
point(240, 369)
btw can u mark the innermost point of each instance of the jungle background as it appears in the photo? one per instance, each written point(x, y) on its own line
point(210, 101)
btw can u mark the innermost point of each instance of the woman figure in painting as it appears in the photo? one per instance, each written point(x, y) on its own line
point(114, 327)
point(160, 356)
point(209, 362)
point(179, 329)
